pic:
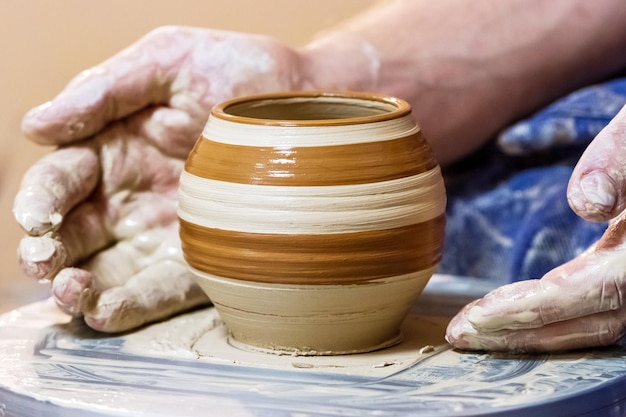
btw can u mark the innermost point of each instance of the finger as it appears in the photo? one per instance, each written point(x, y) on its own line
point(73, 290)
point(127, 258)
point(510, 306)
point(115, 265)
point(96, 225)
point(136, 77)
point(88, 230)
point(585, 286)
point(41, 257)
point(591, 283)
point(134, 197)
point(157, 292)
point(600, 329)
point(85, 231)
point(597, 188)
point(53, 186)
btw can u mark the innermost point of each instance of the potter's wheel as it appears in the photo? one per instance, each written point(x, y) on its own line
point(187, 367)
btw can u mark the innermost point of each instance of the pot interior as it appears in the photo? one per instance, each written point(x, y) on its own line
point(309, 108)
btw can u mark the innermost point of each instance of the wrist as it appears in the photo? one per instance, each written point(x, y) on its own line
point(341, 61)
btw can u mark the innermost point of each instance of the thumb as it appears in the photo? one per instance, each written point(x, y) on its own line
point(597, 188)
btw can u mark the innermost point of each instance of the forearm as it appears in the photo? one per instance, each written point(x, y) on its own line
point(469, 68)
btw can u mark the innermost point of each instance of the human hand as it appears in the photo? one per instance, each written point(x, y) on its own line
point(578, 304)
point(100, 211)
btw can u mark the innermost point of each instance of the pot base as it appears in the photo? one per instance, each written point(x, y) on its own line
point(308, 320)
point(290, 351)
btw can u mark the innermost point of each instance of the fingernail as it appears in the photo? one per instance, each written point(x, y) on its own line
point(67, 292)
point(35, 119)
point(599, 194)
point(458, 333)
point(38, 249)
point(34, 112)
point(462, 335)
point(34, 210)
point(41, 257)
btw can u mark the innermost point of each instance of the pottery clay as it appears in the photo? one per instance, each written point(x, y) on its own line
point(312, 220)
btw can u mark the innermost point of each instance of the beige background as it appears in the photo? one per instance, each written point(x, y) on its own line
point(44, 43)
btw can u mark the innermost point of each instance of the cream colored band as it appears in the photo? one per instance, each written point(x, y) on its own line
point(311, 210)
point(223, 131)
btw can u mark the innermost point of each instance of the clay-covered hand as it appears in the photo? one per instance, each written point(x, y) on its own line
point(100, 210)
point(581, 303)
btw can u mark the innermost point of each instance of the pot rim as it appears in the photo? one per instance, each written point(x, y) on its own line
point(399, 108)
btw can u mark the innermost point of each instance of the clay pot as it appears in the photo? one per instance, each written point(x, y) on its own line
point(312, 220)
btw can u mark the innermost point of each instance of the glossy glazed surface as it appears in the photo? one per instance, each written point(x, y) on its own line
point(314, 190)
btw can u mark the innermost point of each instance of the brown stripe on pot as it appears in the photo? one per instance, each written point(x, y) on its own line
point(344, 258)
point(311, 166)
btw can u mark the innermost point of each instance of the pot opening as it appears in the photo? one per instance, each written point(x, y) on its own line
point(313, 108)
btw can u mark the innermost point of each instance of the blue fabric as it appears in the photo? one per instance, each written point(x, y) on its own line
point(507, 215)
